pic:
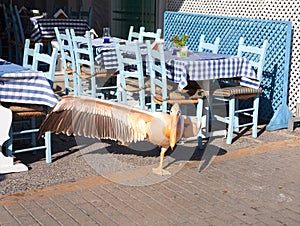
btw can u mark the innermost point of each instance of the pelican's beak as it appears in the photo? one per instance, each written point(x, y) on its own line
point(173, 132)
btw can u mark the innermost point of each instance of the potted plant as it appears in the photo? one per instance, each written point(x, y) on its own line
point(180, 45)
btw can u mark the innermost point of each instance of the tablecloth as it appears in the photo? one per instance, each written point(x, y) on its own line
point(26, 86)
point(44, 28)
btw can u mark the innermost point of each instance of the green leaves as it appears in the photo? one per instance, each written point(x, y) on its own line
point(179, 41)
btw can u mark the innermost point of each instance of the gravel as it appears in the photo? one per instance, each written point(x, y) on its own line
point(77, 158)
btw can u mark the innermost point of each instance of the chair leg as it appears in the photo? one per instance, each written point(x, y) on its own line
point(9, 145)
point(255, 116)
point(199, 117)
point(142, 99)
point(230, 120)
point(48, 147)
point(93, 85)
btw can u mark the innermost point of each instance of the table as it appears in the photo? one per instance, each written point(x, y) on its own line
point(199, 66)
point(105, 53)
point(25, 86)
point(20, 85)
point(44, 28)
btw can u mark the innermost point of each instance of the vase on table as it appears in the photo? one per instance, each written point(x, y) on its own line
point(183, 52)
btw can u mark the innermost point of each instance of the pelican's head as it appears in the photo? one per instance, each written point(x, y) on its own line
point(175, 115)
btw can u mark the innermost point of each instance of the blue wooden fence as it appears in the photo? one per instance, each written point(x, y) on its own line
point(273, 102)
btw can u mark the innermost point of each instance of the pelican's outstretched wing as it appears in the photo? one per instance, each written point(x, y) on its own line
point(96, 118)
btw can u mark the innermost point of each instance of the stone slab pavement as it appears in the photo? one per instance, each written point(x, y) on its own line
point(254, 185)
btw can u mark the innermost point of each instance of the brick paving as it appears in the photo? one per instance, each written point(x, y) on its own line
point(257, 185)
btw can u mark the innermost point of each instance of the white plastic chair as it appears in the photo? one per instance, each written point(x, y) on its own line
point(130, 79)
point(230, 94)
point(164, 92)
point(205, 46)
point(68, 61)
point(23, 112)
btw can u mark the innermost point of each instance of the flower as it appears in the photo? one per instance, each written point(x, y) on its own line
point(179, 41)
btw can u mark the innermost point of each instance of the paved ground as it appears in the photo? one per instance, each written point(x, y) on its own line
point(251, 182)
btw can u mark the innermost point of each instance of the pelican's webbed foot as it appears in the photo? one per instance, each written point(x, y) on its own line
point(160, 171)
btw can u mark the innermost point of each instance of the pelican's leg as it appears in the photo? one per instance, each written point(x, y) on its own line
point(159, 170)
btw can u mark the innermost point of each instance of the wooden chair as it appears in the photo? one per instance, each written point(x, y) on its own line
point(131, 76)
point(26, 114)
point(9, 33)
point(88, 73)
point(88, 15)
point(132, 35)
point(18, 33)
point(147, 35)
point(210, 47)
point(165, 93)
point(68, 61)
point(233, 92)
point(73, 14)
point(28, 54)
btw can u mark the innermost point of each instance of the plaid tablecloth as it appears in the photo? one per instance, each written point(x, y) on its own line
point(26, 86)
point(196, 67)
point(44, 28)
point(106, 56)
point(205, 66)
point(105, 53)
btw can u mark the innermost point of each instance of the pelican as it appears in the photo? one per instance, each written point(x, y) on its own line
point(104, 119)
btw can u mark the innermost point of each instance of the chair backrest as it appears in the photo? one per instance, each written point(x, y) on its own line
point(46, 59)
point(132, 35)
point(151, 35)
point(158, 75)
point(8, 22)
point(73, 14)
point(205, 46)
point(19, 22)
point(86, 15)
point(28, 53)
point(83, 51)
point(130, 65)
point(255, 55)
point(66, 49)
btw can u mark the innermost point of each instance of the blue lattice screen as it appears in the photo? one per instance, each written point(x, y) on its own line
point(255, 31)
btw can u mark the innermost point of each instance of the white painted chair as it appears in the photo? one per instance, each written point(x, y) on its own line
point(230, 94)
point(165, 93)
point(132, 35)
point(28, 54)
point(147, 35)
point(130, 79)
point(211, 47)
point(68, 61)
point(89, 74)
point(23, 112)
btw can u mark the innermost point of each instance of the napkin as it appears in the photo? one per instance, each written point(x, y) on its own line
point(93, 34)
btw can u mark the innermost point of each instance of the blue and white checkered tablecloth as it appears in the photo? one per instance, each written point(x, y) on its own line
point(44, 28)
point(106, 56)
point(204, 66)
point(28, 87)
point(196, 67)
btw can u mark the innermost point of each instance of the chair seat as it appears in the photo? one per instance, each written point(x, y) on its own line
point(237, 91)
point(86, 72)
point(182, 97)
point(26, 110)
